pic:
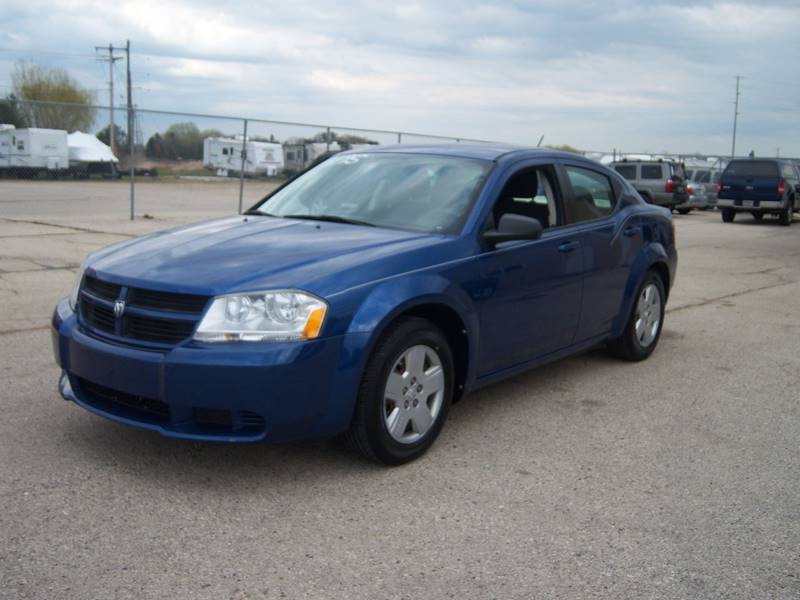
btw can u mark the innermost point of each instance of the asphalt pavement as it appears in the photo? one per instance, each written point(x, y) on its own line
point(677, 477)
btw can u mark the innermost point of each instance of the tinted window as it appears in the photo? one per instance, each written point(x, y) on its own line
point(702, 176)
point(752, 168)
point(593, 196)
point(627, 171)
point(651, 172)
point(418, 192)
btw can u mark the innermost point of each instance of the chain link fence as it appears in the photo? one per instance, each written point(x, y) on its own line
point(244, 159)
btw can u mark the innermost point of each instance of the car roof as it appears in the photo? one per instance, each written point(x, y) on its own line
point(470, 150)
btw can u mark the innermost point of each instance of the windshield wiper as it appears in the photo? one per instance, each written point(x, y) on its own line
point(328, 218)
point(258, 213)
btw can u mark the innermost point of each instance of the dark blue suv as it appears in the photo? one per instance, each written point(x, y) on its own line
point(759, 186)
point(365, 296)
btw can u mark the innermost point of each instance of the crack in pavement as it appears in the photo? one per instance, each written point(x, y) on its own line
point(70, 227)
point(732, 295)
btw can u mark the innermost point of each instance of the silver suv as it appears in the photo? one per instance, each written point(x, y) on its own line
point(659, 182)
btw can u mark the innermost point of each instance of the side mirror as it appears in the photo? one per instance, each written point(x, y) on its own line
point(513, 227)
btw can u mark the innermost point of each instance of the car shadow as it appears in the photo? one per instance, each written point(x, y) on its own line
point(208, 465)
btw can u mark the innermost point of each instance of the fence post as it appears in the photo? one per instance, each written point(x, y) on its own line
point(241, 171)
point(132, 158)
point(328, 139)
point(399, 137)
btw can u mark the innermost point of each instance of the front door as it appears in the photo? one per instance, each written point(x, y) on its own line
point(532, 299)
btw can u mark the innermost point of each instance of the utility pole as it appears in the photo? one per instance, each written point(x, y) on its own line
point(735, 116)
point(111, 59)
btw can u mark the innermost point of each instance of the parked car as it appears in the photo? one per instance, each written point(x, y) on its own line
point(698, 198)
point(658, 181)
point(709, 179)
point(365, 296)
point(759, 186)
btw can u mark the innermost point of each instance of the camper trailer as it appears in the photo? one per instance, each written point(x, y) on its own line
point(300, 156)
point(224, 155)
point(89, 156)
point(30, 151)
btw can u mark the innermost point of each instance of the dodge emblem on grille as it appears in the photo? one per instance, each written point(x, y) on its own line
point(119, 308)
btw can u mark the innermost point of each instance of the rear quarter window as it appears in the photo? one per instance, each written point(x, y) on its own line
point(752, 168)
point(627, 171)
point(651, 172)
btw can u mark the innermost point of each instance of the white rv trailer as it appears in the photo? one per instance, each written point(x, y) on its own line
point(301, 156)
point(90, 156)
point(224, 155)
point(30, 151)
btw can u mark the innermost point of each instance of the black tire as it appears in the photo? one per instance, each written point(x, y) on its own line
point(785, 216)
point(758, 216)
point(627, 346)
point(368, 433)
point(684, 211)
point(728, 215)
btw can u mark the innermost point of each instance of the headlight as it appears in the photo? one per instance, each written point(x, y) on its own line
point(263, 316)
point(76, 288)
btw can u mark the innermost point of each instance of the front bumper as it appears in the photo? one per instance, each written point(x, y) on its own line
point(758, 205)
point(223, 392)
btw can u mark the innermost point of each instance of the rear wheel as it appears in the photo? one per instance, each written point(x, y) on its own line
point(643, 329)
point(785, 215)
point(728, 215)
point(405, 393)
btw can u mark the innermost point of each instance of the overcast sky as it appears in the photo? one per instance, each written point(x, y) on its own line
point(633, 75)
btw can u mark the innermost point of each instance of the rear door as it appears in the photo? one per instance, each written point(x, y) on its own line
point(610, 240)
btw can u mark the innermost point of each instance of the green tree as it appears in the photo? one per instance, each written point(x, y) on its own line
point(120, 138)
point(44, 84)
point(10, 113)
point(181, 141)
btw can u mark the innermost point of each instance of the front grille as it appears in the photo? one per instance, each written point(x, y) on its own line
point(150, 316)
point(186, 303)
point(251, 421)
point(97, 316)
point(162, 331)
point(209, 421)
point(124, 404)
point(101, 289)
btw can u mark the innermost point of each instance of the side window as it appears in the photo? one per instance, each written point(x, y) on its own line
point(651, 172)
point(787, 172)
point(225, 151)
point(627, 171)
point(530, 193)
point(593, 195)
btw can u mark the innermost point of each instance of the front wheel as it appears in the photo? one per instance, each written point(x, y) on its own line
point(643, 329)
point(728, 215)
point(405, 393)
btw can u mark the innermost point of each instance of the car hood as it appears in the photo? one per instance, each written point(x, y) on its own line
point(255, 252)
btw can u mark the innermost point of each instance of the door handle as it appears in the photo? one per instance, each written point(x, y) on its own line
point(568, 247)
point(631, 231)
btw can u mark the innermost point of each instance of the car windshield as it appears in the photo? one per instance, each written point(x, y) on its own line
point(415, 192)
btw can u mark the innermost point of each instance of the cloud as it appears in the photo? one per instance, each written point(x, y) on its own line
point(629, 74)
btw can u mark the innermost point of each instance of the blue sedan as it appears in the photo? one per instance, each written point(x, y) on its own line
point(366, 296)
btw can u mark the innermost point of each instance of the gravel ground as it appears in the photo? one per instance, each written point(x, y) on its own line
point(673, 478)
